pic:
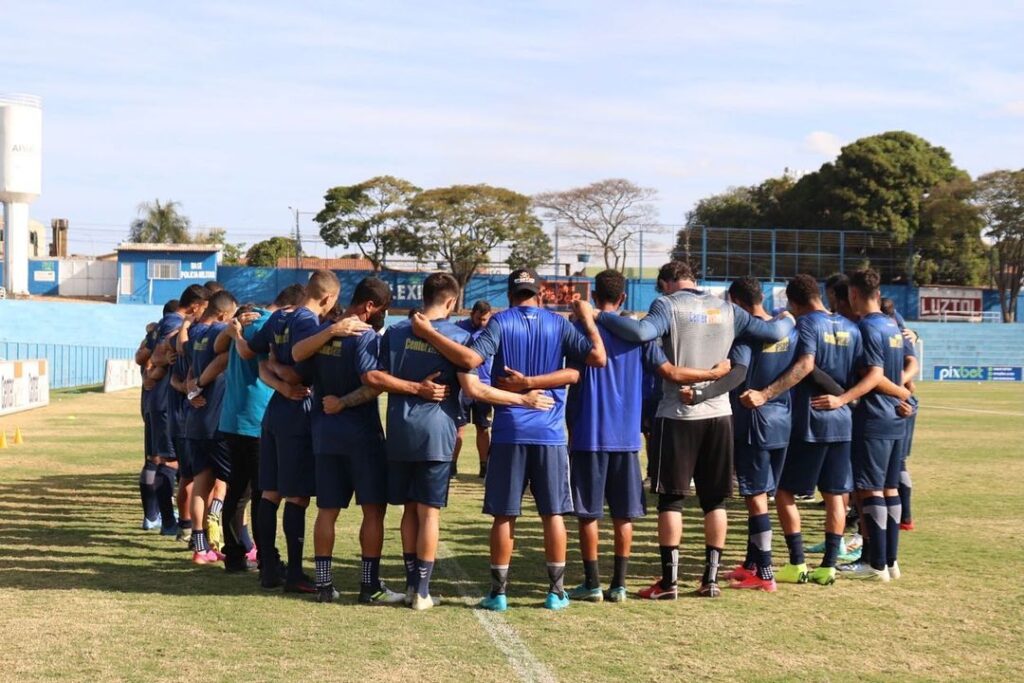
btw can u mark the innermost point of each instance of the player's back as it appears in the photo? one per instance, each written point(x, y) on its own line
point(337, 370)
point(769, 425)
point(835, 343)
point(883, 346)
point(283, 415)
point(418, 429)
point(532, 341)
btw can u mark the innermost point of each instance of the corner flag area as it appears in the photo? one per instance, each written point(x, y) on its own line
point(81, 586)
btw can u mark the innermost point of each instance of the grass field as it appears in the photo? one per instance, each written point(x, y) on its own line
point(86, 595)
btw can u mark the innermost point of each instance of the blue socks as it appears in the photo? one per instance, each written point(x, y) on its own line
point(371, 573)
point(324, 579)
point(759, 528)
point(892, 536)
point(795, 544)
point(411, 576)
point(293, 523)
point(832, 543)
point(266, 532)
point(424, 569)
point(875, 514)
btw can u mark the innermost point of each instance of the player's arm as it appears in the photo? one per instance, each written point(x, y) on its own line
point(802, 367)
point(285, 372)
point(457, 354)
point(681, 375)
point(723, 385)
point(597, 357)
point(654, 326)
point(869, 381)
point(825, 382)
point(336, 404)
point(346, 327)
point(295, 392)
point(513, 380)
point(213, 370)
point(426, 389)
point(751, 327)
point(911, 366)
point(478, 391)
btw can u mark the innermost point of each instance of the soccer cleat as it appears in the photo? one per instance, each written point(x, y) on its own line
point(581, 592)
point(709, 590)
point(894, 571)
point(151, 524)
point(617, 594)
point(494, 603)
point(856, 541)
point(850, 556)
point(326, 594)
point(184, 535)
point(792, 573)
point(823, 576)
point(208, 557)
point(656, 592)
point(741, 573)
point(214, 531)
point(303, 585)
point(420, 603)
point(170, 531)
point(554, 601)
point(381, 596)
point(865, 572)
point(755, 583)
point(252, 555)
point(907, 526)
point(816, 548)
point(239, 566)
point(410, 592)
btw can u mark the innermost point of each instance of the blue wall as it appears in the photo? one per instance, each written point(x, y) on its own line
point(59, 322)
point(196, 268)
point(970, 344)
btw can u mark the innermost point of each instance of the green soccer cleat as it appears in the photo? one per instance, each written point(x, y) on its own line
point(792, 573)
point(823, 576)
point(617, 594)
point(214, 531)
point(581, 592)
point(381, 596)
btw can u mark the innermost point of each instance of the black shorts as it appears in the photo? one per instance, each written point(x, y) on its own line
point(480, 414)
point(700, 450)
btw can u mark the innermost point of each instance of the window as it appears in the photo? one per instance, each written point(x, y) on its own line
point(164, 270)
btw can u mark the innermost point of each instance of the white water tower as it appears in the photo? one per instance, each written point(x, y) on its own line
point(21, 175)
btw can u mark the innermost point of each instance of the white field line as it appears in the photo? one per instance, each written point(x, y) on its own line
point(523, 662)
point(973, 410)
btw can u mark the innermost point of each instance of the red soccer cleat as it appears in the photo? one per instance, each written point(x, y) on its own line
point(755, 583)
point(740, 573)
point(907, 526)
point(656, 592)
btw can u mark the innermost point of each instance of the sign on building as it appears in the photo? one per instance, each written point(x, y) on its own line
point(944, 303)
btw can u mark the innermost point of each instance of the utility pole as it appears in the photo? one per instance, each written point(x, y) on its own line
point(640, 275)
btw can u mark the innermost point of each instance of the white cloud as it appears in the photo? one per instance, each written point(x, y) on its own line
point(1014, 108)
point(824, 143)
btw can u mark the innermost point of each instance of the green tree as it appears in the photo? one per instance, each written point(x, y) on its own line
point(530, 253)
point(266, 253)
point(1000, 197)
point(161, 223)
point(370, 216)
point(948, 246)
point(461, 224)
point(608, 213)
point(231, 253)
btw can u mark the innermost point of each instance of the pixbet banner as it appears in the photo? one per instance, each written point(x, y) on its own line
point(978, 373)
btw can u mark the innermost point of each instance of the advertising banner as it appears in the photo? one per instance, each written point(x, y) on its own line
point(24, 384)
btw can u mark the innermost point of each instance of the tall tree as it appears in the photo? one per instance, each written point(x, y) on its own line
point(161, 223)
point(370, 216)
point(948, 247)
point(608, 213)
point(266, 253)
point(461, 224)
point(1000, 196)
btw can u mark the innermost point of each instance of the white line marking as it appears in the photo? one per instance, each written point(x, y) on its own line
point(523, 662)
point(974, 410)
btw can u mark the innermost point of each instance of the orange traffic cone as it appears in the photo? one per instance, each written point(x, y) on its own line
point(17, 436)
point(3, 439)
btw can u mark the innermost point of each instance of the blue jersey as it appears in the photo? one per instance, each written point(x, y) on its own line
point(337, 369)
point(533, 341)
point(768, 427)
point(875, 416)
point(484, 371)
point(835, 343)
point(245, 396)
point(178, 406)
point(420, 430)
point(282, 329)
point(203, 422)
point(165, 329)
point(605, 407)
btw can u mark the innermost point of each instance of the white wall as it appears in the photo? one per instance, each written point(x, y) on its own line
point(82, 277)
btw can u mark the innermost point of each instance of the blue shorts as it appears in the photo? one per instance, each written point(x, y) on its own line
point(825, 465)
point(513, 467)
point(363, 472)
point(147, 437)
point(758, 469)
point(877, 463)
point(597, 477)
point(160, 434)
point(183, 447)
point(908, 442)
point(287, 465)
point(211, 454)
point(424, 482)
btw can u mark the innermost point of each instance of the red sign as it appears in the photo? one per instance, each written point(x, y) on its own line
point(941, 303)
point(559, 294)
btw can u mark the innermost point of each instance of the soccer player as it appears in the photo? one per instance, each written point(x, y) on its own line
point(837, 288)
point(691, 442)
point(604, 411)
point(348, 440)
point(908, 409)
point(878, 428)
point(526, 447)
point(287, 466)
point(211, 460)
point(819, 448)
point(147, 492)
point(478, 413)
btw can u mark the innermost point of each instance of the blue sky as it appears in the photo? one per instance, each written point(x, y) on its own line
point(241, 109)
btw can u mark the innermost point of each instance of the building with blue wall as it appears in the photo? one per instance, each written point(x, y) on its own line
point(155, 273)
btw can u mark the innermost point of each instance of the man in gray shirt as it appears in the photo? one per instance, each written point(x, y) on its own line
point(691, 441)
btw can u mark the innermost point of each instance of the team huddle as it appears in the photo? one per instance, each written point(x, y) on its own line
point(248, 407)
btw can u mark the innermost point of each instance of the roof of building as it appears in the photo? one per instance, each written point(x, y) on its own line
point(148, 246)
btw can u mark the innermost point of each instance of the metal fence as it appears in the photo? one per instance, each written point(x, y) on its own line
point(68, 365)
point(776, 254)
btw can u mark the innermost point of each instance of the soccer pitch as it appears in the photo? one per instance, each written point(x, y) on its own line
point(86, 595)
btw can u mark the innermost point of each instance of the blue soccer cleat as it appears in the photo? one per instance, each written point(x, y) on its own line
point(494, 603)
point(554, 601)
